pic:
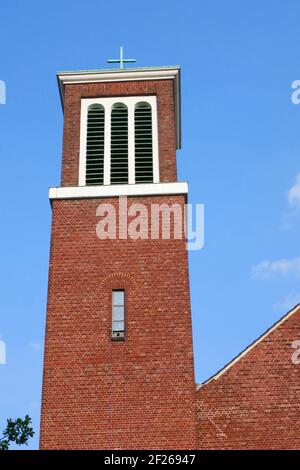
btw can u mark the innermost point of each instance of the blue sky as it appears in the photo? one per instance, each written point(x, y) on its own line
point(240, 155)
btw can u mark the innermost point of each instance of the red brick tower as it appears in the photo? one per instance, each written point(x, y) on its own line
point(118, 364)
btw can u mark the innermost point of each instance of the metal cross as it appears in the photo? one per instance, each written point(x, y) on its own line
point(121, 61)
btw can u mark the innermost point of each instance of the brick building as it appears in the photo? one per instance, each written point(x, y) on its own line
point(253, 402)
point(118, 362)
point(118, 365)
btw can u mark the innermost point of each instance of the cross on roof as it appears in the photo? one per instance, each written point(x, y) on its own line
point(121, 61)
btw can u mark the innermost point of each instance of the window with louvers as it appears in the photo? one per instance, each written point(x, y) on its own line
point(143, 143)
point(95, 145)
point(119, 145)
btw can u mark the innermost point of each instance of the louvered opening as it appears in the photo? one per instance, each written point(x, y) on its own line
point(119, 145)
point(95, 145)
point(143, 143)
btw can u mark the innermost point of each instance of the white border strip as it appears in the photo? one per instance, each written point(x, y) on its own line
point(116, 190)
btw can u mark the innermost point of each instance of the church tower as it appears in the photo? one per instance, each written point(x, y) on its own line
point(118, 362)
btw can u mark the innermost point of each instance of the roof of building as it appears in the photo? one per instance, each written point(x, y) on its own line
point(224, 369)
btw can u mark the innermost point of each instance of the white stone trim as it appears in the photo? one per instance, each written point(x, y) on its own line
point(107, 103)
point(86, 76)
point(155, 141)
point(131, 142)
point(154, 73)
point(147, 189)
point(107, 125)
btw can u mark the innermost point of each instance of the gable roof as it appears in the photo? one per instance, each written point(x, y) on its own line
point(224, 369)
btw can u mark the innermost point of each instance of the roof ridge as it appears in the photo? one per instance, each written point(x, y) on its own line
point(250, 347)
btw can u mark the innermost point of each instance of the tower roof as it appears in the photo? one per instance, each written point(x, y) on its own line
point(129, 74)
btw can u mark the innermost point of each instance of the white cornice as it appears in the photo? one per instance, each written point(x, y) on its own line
point(91, 192)
point(120, 75)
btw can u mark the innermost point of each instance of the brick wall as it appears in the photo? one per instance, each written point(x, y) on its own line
point(163, 89)
point(98, 393)
point(255, 403)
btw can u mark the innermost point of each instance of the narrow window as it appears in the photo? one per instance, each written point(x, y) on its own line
point(119, 144)
point(118, 314)
point(143, 143)
point(95, 145)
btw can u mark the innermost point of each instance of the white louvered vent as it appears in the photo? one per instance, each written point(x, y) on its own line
point(119, 144)
point(95, 145)
point(143, 143)
point(119, 141)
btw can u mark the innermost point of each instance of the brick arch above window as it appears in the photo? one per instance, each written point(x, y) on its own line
point(118, 280)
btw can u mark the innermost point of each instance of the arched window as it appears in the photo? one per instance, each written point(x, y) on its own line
point(118, 314)
point(95, 145)
point(119, 144)
point(143, 143)
point(118, 141)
